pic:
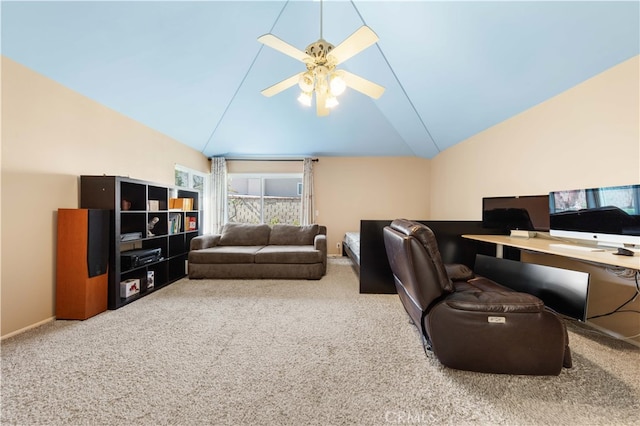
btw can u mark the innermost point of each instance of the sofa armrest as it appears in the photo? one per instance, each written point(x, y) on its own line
point(320, 243)
point(483, 295)
point(204, 241)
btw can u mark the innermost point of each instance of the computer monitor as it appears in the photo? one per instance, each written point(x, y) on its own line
point(527, 213)
point(607, 216)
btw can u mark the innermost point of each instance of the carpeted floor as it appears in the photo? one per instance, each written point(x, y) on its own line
point(289, 352)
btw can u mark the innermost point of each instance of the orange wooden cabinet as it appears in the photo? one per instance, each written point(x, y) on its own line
point(82, 263)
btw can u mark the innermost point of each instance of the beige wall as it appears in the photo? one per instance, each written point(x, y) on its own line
point(350, 189)
point(50, 136)
point(586, 136)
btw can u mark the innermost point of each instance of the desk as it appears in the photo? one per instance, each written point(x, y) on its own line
point(544, 245)
point(606, 291)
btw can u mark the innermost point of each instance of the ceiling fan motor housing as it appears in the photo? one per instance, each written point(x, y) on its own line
point(319, 51)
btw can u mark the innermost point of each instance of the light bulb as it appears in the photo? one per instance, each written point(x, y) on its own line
point(305, 98)
point(337, 84)
point(331, 102)
point(306, 82)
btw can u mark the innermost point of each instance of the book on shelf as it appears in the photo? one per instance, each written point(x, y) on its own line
point(181, 203)
point(175, 223)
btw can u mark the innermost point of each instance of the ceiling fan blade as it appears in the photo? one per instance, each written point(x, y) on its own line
point(355, 43)
point(321, 103)
point(362, 85)
point(283, 85)
point(283, 47)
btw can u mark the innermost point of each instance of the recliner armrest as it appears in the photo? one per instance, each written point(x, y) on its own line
point(495, 302)
point(458, 271)
point(204, 241)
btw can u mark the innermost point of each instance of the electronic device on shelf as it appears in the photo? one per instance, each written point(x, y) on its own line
point(516, 213)
point(135, 258)
point(130, 236)
point(608, 216)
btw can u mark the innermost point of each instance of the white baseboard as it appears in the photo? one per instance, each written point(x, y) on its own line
point(22, 330)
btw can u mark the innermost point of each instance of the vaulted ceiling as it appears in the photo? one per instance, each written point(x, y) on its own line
point(194, 70)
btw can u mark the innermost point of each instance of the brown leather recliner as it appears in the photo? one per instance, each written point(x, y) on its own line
point(470, 322)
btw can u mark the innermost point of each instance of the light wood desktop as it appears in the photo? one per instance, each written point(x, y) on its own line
point(546, 245)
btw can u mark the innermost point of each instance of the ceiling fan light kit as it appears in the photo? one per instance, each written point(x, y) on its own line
point(305, 98)
point(336, 83)
point(321, 77)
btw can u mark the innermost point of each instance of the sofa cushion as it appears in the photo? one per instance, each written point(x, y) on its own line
point(292, 235)
point(243, 234)
point(288, 254)
point(224, 254)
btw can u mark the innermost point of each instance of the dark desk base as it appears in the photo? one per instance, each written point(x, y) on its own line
point(375, 273)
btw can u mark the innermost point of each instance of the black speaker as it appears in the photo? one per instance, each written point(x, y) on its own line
point(97, 242)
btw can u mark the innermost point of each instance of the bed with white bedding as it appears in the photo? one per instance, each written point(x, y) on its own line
point(351, 248)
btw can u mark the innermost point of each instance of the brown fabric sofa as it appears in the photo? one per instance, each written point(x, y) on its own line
point(260, 251)
point(468, 321)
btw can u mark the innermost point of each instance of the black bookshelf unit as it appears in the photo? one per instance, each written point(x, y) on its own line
point(134, 205)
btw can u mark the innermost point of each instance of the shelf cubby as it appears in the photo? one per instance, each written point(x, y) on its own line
point(176, 245)
point(191, 221)
point(177, 267)
point(133, 197)
point(159, 194)
point(160, 227)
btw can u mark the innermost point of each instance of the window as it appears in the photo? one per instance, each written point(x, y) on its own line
point(188, 178)
point(193, 179)
point(264, 198)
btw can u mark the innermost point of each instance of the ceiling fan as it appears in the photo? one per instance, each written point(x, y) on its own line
point(321, 76)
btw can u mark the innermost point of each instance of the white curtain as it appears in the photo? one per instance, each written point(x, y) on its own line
point(218, 192)
point(307, 193)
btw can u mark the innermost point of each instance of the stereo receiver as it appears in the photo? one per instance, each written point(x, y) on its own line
point(134, 258)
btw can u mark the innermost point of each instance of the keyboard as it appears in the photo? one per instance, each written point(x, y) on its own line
point(572, 247)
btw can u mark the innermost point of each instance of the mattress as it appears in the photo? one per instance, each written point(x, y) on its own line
point(352, 240)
